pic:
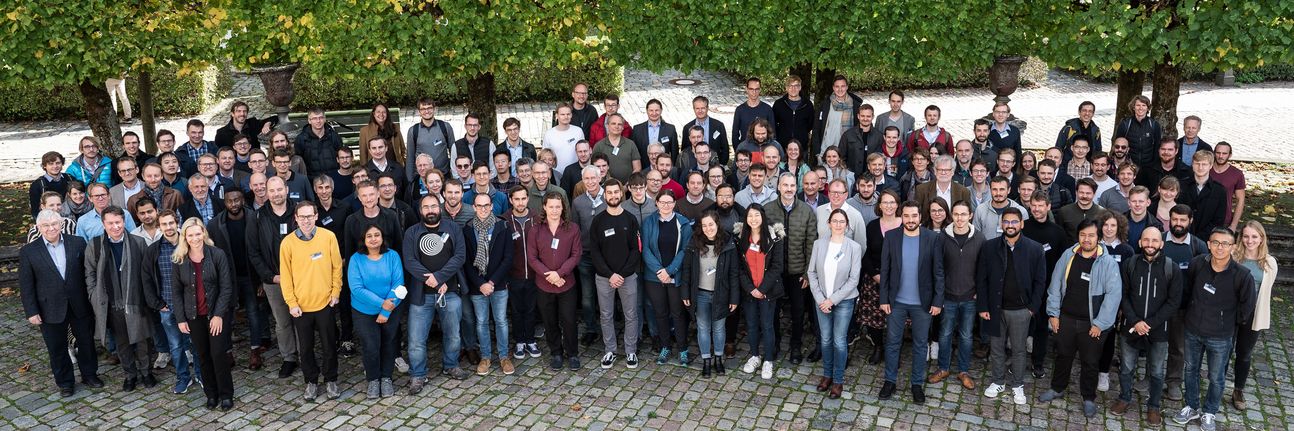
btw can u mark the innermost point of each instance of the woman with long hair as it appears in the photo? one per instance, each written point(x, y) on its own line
point(937, 215)
point(203, 298)
point(869, 302)
point(795, 162)
point(1112, 229)
point(665, 234)
point(1252, 254)
point(553, 249)
point(835, 167)
point(381, 124)
point(376, 278)
point(833, 280)
point(1163, 205)
point(709, 281)
point(1029, 164)
point(761, 266)
point(918, 175)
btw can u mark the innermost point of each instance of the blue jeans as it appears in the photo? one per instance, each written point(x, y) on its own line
point(588, 296)
point(420, 317)
point(958, 316)
point(710, 333)
point(1218, 352)
point(179, 343)
point(834, 341)
point(895, 323)
point(251, 306)
point(1156, 363)
point(495, 305)
point(467, 324)
point(759, 327)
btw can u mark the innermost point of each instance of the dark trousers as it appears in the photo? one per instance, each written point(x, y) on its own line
point(379, 342)
point(558, 312)
point(1073, 340)
point(796, 302)
point(1040, 333)
point(1246, 339)
point(321, 322)
point(55, 335)
point(667, 301)
point(1107, 355)
point(521, 297)
point(256, 315)
point(759, 327)
point(217, 379)
point(134, 357)
point(346, 329)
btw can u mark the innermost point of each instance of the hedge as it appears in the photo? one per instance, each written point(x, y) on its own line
point(1033, 71)
point(1193, 72)
point(518, 85)
point(173, 96)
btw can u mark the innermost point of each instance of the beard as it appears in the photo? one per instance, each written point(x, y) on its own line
point(1011, 233)
point(1150, 252)
point(1178, 231)
point(431, 219)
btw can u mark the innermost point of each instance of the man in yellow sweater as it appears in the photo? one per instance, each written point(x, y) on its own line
point(310, 270)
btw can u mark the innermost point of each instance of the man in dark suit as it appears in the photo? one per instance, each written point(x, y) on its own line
point(911, 288)
point(51, 278)
point(943, 186)
point(655, 130)
point(715, 133)
point(200, 204)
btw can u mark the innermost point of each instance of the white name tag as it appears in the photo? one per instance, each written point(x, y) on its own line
point(999, 229)
point(609, 232)
point(326, 220)
point(664, 139)
point(1209, 288)
point(714, 135)
point(1118, 258)
point(709, 271)
point(754, 248)
point(283, 228)
point(316, 256)
point(1046, 247)
point(438, 142)
point(444, 238)
point(554, 244)
point(1183, 265)
point(615, 151)
point(1085, 276)
point(516, 235)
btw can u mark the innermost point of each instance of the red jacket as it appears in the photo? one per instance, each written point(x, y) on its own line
point(599, 130)
point(542, 256)
point(943, 143)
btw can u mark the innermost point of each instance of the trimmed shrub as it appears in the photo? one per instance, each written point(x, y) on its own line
point(173, 96)
point(1033, 71)
point(518, 85)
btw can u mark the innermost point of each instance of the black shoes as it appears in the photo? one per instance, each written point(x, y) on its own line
point(130, 384)
point(67, 392)
point(588, 339)
point(718, 365)
point(212, 403)
point(149, 381)
point(555, 363)
point(92, 382)
point(705, 367)
point(226, 404)
point(918, 394)
point(287, 369)
point(887, 391)
point(878, 356)
point(815, 355)
point(795, 359)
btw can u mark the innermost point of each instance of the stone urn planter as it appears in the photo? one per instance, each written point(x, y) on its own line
point(278, 87)
point(1004, 76)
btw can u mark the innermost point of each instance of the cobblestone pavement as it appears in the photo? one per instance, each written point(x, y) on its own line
point(1229, 113)
point(650, 397)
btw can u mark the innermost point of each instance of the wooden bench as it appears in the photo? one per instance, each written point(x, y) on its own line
point(346, 123)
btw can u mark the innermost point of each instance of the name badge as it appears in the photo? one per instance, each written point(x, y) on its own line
point(840, 254)
point(609, 232)
point(709, 271)
point(444, 238)
point(221, 193)
point(516, 235)
point(664, 139)
point(316, 256)
point(554, 244)
point(999, 229)
point(1085, 276)
point(714, 135)
point(1209, 288)
point(283, 228)
point(1118, 258)
point(1046, 247)
point(570, 140)
point(615, 151)
point(295, 196)
point(1183, 265)
point(326, 220)
point(438, 142)
point(754, 248)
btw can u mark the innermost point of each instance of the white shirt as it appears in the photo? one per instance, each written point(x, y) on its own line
point(563, 144)
point(831, 262)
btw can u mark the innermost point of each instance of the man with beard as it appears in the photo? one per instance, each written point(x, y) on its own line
point(343, 186)
point(1152, 294)
point(912, 287)
point(856, 142)
point(760, 137)
point(965, 156)
point(981, 148)
point(1182, 247)
point(1207, 197)
point(265, 235)
point(725, 206)
point(158, 275)
point(1082, 302)
point(1079, 126)
point(865, 200)
point(1119, 153)
point(166, 198)
point(1010, 281)
point(1042, 229)
point(613, 246)
point(694, 203)
point(228, 231)
point(1168, 164)
point(241, 124)
point(437, 244)
point(1232, 180)
point(1116, 198)
point(988, 216)
point(931, 137)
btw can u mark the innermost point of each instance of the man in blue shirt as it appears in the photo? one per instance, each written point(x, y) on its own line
point(912, 287)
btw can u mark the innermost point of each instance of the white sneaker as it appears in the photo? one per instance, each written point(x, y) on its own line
point(1017, 395)
point(934, 351)
point(401, 365)
point(1103, 382)
point(163, 359)
point(767, 372)
point(751, 365)
point(1207, 422)
point(994, 390)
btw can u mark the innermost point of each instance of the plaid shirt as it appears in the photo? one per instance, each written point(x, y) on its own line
point(206, 211)
point(194, 153)
point(164, 267)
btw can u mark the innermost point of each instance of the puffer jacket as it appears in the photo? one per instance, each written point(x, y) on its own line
point(318, 152)
point(801, 226)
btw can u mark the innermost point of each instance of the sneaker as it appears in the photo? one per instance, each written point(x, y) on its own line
point(374, 390)
point(312, 391)
point(1017, 395)
point(197, 381)
point(994, 390)
point(1089, 409)
point(71, 352)
point(181, 387)
point(573, 363)
point(663, 358)
point(416, 384)
point(455, 373)
point(1187, 415)
point(555, 363)
point(401, 365)
point(632, 361)
point(1173, 393)
point(1103, 382)
point(1208, 422)
point(483, 368)
point(608, 360)
point(683, 359)
point(767, 371)
point(751, 365)
point(347, 349)
point(532, 349)
point(520, 351)
point(388, 387)
point(1051, 394)
point(332, 390)
point(163, 359)
point(933, 351)
point(1039, 373)
point(506, 365)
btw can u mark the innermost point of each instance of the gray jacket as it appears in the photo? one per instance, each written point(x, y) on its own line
point(845, 285)
point(127, 290)
point(1105, 289)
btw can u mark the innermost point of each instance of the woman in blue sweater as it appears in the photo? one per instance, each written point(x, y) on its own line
point(376, 288)
point(665, 235)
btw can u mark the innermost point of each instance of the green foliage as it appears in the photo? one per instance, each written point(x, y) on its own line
point(174, 96)
point(879, 78)
point(523, 84)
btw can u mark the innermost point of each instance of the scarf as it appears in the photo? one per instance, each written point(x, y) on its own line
point(75, 210)
point(482, 228)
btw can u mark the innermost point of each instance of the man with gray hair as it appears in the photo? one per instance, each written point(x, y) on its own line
point(265, 234)
point(942, 187)
point(52, 283)
point(542, 183)
point(584, 207)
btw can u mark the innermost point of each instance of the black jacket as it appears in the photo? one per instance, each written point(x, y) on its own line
point(190, 209)
point(1143, 139)
point(1073, 129)
point(500, 259)
point(318, 152)
point(251, 127)
point(726, 276)
point(1218, 302)
point(793, 123)
point(820, 120)
point(1209, 203)
point(930, 281)
point(855, 144)
point(263, 239)
point(718, 139)
point(55, 297)
point(1152, 292)
point(1030, 272)
point(1149, 176)
point(1053, 239)
point(217, 282)
point(667, 137)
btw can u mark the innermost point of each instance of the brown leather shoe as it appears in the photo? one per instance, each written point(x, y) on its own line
point(938, 377)
point(1153, 418)
point(1238, 399)
point(823, 384)
point(255, 362)
point(729, 350)
point(836, 389)
point(967, 382)
point(1119, 407)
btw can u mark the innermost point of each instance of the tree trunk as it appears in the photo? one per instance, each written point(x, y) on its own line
point(822, 81)
point(146, 117)
point(805, 72)
point(481, 101)
point(102, 117)
point(1130, 85)
point(1166, 85)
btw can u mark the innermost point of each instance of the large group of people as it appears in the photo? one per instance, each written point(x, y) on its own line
point(829, 223)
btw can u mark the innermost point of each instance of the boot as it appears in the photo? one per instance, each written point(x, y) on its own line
point(256, 362)
point(717, 364)
point(878, 355)
point(705, 368)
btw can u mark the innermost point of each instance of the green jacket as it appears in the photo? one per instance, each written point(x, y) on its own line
point(801, 225)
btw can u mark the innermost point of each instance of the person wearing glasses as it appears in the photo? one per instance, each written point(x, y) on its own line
point(129, 185)
point(51, 278)
point(91, 166)
point(310, 263)
point(90, 225)
point(434, 253)
point(833, 281)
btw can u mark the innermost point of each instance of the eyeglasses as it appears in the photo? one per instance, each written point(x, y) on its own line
point(660, 202)
point(1010, 222)
point(98, 196)
point(1221, 243)
point(463, 166)
point(838, 221)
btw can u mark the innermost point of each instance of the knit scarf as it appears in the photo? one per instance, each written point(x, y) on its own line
point(482, 228)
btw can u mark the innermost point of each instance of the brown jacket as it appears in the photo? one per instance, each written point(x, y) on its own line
point(927, 193)
point(171, 200)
